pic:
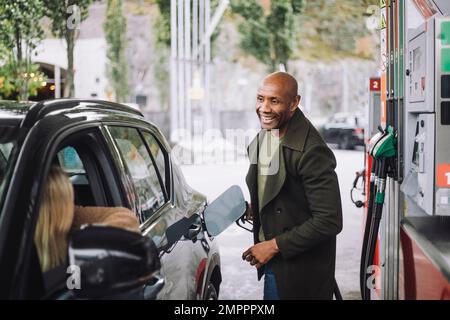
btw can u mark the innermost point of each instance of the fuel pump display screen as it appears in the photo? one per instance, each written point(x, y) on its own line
point(445, 113)
point(445, 86)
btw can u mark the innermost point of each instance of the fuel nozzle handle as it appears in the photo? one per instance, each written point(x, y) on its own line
point(244, 219)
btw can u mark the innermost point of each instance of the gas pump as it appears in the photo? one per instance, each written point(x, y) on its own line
point(426, 187)
point(411, 221)
point(427, 154)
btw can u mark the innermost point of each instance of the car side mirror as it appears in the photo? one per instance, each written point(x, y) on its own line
point(218, 215)
point(111, 261)
point(224, 211)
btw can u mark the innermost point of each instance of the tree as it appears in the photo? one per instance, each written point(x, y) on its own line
point(162, 23)
point(115, 31)
point(20, 32)
point(267, 34)
point(66, 16)
point(330, 30)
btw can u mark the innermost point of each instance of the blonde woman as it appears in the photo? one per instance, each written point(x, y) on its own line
point(55, 220)
point(58, 215)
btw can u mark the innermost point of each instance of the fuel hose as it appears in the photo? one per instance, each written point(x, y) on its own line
point(383, 150)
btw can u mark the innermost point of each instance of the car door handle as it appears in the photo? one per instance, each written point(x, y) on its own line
point(152, 289)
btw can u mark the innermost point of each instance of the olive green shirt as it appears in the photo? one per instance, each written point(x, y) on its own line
point(269, 149)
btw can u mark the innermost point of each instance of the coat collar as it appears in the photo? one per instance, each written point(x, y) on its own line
point(297, 132)
point(295, 138)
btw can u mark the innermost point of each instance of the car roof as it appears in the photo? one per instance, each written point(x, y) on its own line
point(28, 113)
point(25, 115)
point(13, 111)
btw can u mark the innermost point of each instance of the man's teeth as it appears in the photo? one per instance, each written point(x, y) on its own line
point(266, 118)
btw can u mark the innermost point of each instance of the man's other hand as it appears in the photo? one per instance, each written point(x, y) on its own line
point(261, 253)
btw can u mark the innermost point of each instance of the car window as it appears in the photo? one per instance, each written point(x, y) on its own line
point(159, 156)
point(182, 191)
point(7, 156)
point(142, 170)
point(5, 149)
point(70, 161)
point(5, 152)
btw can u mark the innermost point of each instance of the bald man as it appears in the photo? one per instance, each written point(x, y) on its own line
point(295, 198)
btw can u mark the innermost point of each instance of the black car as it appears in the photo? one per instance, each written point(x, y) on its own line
point(92, 142)
point(345, 130)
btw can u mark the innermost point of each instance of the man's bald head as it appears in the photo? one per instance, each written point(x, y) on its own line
point(277, 100)
point(284, 80)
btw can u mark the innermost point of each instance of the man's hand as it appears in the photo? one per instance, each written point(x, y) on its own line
point(261, 253)
point(248, 215)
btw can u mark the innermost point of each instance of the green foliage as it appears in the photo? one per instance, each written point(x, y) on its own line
point(115, 27)
point(3, 51)
point(20, 24)
point(15, 76)
point(267, 36)
point(162, 22)
point(312, 30)
point(297, 6)
point(162, 46)
point(330, 29)
point(20, 32)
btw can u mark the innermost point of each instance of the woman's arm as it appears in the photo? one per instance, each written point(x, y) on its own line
point(111, 216)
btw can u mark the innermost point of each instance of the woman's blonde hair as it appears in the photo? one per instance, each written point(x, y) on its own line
point(55, 220)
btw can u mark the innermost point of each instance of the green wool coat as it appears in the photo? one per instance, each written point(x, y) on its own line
point(301, 209)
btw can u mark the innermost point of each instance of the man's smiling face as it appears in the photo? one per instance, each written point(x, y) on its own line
point(276, 101)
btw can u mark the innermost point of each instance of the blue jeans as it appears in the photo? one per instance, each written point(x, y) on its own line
point(270, 285)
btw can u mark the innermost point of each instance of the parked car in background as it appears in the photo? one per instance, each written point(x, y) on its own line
point(114, 158)
point(345, 130)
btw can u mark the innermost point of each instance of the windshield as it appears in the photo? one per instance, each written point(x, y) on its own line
point(7, 155)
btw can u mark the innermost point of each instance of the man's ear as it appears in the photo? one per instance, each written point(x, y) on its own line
point(296, 103)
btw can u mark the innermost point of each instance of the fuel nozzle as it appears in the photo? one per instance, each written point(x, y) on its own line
point(383, 144)
point(244, 219)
